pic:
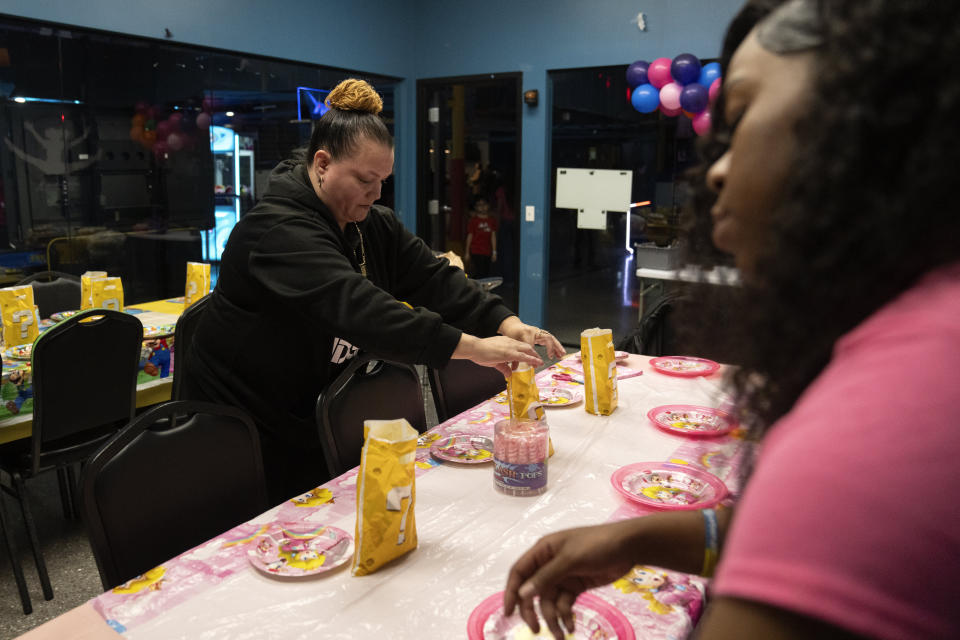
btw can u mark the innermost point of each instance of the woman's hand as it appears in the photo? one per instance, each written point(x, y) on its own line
point(563, 565)
point(512, 327)
point(500, 352)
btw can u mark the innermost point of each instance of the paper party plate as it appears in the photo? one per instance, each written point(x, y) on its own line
point(662, 485)
point(684, 366)
point(594, 619)
point(21, 352)
point(464, 448)
point(159, 331)
point(62, 315)
point(692, 420)
point(295, 550)
point(559, 397)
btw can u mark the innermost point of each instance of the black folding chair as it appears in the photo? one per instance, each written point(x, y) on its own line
point(54, 291)
point(368, 389)
point(179, 474)
point(84, 389)
point(462, 384)
point(183, 342)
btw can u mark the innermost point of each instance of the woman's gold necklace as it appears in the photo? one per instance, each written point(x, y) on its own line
point(363, 253)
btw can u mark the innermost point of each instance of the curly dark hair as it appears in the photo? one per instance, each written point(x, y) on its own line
point(870, 205)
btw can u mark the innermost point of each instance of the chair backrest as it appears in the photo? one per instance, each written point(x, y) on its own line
point(368, 389)
point(59, 295)
point(462, 384)
point(654, 334)
point(183, 341)
point(178, 475)
point(84, 380)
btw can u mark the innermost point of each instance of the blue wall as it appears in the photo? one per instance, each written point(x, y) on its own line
point(430, 39)
point(534, 36)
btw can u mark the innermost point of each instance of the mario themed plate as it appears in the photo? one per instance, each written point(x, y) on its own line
point(559, 397)
point(465, 449)
point(295, 550)
point(159, 331)
point(21, 352)
point(692, 420)
point(684, 366)
point(594, 619)
point(662, 485)
point(63, 315)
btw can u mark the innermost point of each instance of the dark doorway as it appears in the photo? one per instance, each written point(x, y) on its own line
point(468, 132)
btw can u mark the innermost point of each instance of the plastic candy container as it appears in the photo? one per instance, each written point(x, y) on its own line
point(520, 456)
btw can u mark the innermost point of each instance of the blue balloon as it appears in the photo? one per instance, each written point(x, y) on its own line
point(637, 73)
point(710, 72)
point(685, 68)
point(694, 98)
point(645, 98)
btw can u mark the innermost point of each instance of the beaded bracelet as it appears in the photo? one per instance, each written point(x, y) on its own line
point(711, 543)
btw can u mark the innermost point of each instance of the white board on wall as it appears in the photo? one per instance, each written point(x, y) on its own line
point(593, 192)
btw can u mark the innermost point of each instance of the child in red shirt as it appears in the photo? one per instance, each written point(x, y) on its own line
point(481, 239)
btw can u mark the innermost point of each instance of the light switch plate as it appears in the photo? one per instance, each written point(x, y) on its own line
point(529, 213)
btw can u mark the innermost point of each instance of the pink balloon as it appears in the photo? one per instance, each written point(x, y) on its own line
point(658, 74)
point(163, 129)
point(701, 122)
point(670, 112)
point(203, 120)
point(714, 90)
point(174, 121)
point(670, 95)
point(175, 141)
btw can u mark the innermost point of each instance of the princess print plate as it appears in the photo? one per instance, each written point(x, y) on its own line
point(594, 619)
point(662, 485)
point(559, 397)
point(465, 449)
point(295, 550)
point(692, 420)
point(684, 366)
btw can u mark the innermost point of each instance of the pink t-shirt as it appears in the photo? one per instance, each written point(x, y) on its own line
point(852, 515)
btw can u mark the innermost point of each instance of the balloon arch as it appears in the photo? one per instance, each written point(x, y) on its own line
point(678, 86)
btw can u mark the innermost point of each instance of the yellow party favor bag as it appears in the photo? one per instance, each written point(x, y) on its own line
point(86, 289)
point(198, 282)
point(106, 293)
point(599, 371)
point(21, 321)
point(523, 396)
point(386, 494)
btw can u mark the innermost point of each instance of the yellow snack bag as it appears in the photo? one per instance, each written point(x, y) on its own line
point(198, 282)
point(386, 494)
point(523, 396)
point(21, 320)
point(106, 293)
point(599, 371)
point(86, 290)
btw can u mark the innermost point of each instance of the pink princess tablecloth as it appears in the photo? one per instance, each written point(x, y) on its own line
point(469, 535)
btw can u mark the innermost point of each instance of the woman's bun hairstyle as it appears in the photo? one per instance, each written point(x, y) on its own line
point(355, 95)
point(354, 114)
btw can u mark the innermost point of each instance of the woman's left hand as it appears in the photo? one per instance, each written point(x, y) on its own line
point(512, 327)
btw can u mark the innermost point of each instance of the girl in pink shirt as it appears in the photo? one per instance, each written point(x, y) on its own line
point(830, 178)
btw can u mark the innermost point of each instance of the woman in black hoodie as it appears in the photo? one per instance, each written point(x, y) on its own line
point(316, 271)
